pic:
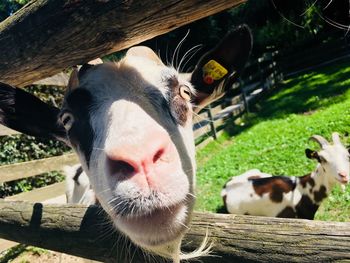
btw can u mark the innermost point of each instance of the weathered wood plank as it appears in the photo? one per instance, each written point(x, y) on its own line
point(83, 232)
point(6, 244)
point(47, 36)
point(60, 79)
point(4, 131)
point(40, 194)
point(200, 117)
point(204, 129)
point(216, 109)
point(26, 169)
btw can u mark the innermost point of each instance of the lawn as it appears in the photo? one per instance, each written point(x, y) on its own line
point(273, 138)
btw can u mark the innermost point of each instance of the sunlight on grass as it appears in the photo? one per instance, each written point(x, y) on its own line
point(274, 139)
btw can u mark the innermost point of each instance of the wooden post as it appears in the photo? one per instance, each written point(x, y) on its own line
point(86, 232)
point(211, 120)
point(245, 101)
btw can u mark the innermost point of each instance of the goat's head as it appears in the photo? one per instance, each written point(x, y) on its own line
point(333, 158)
point(130, 122)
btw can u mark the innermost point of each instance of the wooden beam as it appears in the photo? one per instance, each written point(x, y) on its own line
point(26, 169)
point(42, 194)
point(60, 79)
point(86, 232)
point(4, 131)
point(47, 36)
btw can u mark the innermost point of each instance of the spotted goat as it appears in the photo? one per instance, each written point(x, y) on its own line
point(261, 194)
point(130, 123)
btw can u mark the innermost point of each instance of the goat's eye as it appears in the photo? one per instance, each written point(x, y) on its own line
point(185, 92)
point(67, 120)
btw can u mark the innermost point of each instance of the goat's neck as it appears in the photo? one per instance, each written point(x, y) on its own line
point(315, 185)
point(319, 175)
point(322, 186)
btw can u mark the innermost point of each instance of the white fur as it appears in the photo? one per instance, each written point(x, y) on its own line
point(122, 117)
point(241, 198)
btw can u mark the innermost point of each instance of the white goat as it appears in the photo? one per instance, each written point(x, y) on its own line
point(256, 193)
point(130, 122)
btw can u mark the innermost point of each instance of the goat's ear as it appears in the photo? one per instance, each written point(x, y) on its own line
point(146, 52)
point(23, 112)
point(77, 74)
point(311, 154)
point(73, 81)
point(220, 67)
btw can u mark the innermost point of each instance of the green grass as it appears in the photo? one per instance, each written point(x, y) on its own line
point(274, 137)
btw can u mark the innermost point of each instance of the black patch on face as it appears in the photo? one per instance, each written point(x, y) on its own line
point(287, 212)
point(306, 208)
point(320, 194)
point(159, 102)
point(77, 174)
point(81, 134)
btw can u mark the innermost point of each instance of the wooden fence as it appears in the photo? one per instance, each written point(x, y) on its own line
point(208, 125)
point(261, 75)
point(322, 54)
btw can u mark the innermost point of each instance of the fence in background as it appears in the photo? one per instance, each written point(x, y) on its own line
point(311, 58)
point(260, 76)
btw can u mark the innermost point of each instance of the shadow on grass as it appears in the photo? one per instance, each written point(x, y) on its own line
point(303, 94)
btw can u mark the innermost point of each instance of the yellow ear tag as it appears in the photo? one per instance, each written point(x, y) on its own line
point(213, 71)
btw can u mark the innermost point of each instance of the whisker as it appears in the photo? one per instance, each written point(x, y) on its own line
point(177, 49)
point(190, 194)
point(179, 222)
point(100, 149)
point(293, 23)
point(328, 4)
point(194, 50)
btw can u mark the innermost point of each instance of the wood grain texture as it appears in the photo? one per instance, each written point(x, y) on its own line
point(82, 231)
point(26, 169)
point(47, 36)
point(41, 194)
point(4, 131)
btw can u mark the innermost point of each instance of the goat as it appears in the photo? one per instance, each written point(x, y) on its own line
point(260, 194)
point(78, 187)
point(130, 123)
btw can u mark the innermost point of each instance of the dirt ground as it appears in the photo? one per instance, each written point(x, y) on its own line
point(46, 256)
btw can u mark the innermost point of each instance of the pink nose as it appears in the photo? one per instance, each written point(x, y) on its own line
point(142, 160)
point(344, 176)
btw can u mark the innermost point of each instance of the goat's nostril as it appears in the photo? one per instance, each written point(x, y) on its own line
point(342, 175)
point(158, 155)
point(121, 168)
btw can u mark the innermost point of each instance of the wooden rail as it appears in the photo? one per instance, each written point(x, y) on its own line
point(47, 36)
point(82, 231)
point(27, 169)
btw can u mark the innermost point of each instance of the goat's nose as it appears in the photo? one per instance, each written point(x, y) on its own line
point(139, 156)
point(343, 174)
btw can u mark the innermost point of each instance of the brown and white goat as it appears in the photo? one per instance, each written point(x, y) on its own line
point(130, 122)
point(260, 194)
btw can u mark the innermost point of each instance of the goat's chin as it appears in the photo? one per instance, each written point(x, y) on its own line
point(159, 227)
